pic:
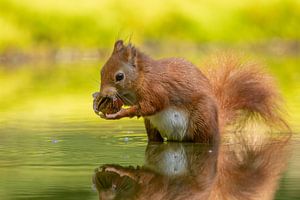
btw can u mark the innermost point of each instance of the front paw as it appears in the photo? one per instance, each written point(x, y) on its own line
point(109, 116)
point(112, 116)
point(117, 115)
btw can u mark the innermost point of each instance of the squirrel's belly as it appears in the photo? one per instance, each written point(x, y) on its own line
point(172, 123)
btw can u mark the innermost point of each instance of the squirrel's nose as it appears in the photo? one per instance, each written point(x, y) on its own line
point(108, 92)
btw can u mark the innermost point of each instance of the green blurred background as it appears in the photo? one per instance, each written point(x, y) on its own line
point(51, 51)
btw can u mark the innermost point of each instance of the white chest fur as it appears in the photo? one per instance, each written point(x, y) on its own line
point(172, 123)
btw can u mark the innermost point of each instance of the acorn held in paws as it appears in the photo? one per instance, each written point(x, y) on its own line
point(106, 105)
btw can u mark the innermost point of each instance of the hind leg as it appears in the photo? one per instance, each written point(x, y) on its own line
point(153, 133)
point(204, 127)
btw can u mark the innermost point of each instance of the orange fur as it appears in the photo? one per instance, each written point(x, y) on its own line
point(227, 92)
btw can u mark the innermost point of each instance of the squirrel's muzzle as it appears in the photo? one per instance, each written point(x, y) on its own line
point(108, 91)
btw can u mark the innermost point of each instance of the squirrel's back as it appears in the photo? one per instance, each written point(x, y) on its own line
point(180, 77)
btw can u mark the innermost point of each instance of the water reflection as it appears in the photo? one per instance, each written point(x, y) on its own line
point(244, 169)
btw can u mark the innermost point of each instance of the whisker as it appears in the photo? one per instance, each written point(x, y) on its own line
point(103, 103)
point(118, 95)
point(95, 80)
point(124, 98)
point(102, 100)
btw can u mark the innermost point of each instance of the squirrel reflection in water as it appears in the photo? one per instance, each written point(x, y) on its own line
point(244, 169)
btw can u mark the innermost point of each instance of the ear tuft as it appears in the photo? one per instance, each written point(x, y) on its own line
point(119, 45)
point(132, 55)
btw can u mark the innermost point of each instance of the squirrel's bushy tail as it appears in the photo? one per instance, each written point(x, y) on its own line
point(244, 91)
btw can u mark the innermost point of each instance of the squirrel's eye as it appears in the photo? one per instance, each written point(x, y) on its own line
point(119, 76)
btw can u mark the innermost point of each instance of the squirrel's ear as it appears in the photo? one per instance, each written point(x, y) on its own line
point(132, 55)
point(119, 45)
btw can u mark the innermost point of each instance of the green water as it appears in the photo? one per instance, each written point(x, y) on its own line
point(43, 160)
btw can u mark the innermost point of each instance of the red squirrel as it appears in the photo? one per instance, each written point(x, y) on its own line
point(178, 101)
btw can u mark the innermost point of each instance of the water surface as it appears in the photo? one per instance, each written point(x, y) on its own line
point(56, 160)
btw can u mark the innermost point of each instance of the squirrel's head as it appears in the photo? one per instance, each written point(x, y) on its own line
point(120, 72)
